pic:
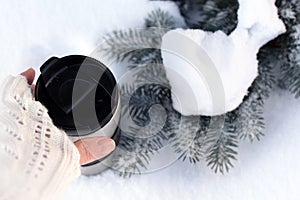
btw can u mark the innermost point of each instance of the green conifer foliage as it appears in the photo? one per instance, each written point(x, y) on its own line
point(147, 101)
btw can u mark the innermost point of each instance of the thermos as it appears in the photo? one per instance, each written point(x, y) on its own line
point(82, 98)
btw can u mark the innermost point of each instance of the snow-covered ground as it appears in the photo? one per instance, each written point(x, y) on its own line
point(31, 31)
point(268, 169)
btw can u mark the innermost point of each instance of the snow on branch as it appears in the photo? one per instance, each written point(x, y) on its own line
point(210, 73)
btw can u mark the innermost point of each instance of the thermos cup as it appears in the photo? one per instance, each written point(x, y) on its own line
point(82, 98)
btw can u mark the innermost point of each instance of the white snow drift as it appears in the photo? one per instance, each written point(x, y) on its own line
point(210, 73)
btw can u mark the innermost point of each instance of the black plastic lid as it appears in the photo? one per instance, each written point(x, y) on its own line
point(77, 88)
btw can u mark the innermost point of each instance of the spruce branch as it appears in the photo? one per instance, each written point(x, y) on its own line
point(148, 126)
point(210, 15)
point(153, 73)
point(250, 119)
point(138, 46)
point(123, 44)
point(195, 137)
point(184, 140)
point(291, 65)
point(188, 140)
point(266, 79)
point(222, 140)
point(159, 19)
point(126, 91)
point(290, 46)
point(130, 158)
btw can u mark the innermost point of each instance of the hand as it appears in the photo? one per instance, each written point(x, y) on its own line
point(90, 149)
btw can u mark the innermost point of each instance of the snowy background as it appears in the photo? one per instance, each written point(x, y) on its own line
point(32, 31)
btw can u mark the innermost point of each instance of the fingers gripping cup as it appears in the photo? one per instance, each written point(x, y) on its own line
point(82, 98)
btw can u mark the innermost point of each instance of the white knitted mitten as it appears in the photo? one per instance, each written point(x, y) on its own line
point(37, 160)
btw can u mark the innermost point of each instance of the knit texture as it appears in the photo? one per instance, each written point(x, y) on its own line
point(37, 159)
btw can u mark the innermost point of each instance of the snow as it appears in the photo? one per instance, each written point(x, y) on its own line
point(32, 31)
point(268, 169)
point(218, 69)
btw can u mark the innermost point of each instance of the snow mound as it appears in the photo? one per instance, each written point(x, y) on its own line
point(210, 73)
